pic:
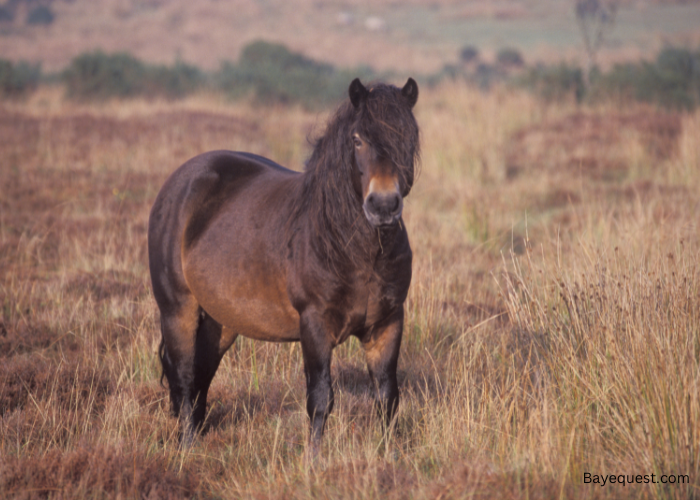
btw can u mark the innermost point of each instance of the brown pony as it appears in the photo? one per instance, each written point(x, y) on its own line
point(238, 245)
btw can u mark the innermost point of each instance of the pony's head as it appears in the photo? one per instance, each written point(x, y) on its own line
point(385, 148)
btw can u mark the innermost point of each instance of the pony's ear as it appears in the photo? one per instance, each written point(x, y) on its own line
point(410, 92)
point(357, 92)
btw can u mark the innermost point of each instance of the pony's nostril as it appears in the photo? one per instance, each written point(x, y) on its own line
point(396, 203)
point(372, 202)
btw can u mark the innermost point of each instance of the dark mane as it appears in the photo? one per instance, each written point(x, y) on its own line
point(328, 199)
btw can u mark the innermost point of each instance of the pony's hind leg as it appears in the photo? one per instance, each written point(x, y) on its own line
point(179, 327)
point(193, 345)
point(212, 342)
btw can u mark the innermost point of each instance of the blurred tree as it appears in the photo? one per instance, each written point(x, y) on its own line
point(469, 54)
point(41, 15)
point(595, 19)
point(510, 58)
point(7, 14)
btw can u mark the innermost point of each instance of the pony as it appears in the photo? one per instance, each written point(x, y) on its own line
point(239, 245)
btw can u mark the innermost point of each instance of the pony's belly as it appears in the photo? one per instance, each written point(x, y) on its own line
point(256, 318)
point(268, 325)
point(246, 297)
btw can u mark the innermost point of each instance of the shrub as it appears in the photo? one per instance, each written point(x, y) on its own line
point(41, 15)
point(176, 81)
point(98, 75)
point(18, 79)
point(7, 14)
point(469, 54)
point(486, 75)
point(510, 57)
point(277, 56)
point(554, 83)
point(673, 81)
point(272, 73)
point(483, 76)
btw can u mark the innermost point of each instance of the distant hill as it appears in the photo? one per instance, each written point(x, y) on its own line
point(407, 36)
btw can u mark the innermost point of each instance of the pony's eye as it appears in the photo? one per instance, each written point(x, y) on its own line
point(357, 141)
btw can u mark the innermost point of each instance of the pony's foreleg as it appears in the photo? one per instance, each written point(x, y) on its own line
point(316, 348)
point(382, 346)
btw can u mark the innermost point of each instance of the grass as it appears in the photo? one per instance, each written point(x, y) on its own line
point(552, 323)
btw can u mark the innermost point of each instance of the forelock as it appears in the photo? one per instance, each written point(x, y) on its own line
point(387, 122)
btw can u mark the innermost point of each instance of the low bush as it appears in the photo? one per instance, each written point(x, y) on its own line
point(487, 75)
point(554, 83)
point(270, 72)
point(41, 15)
point(7, 14)
point(274, 74)
point(96, 75)
point(672, 81)
point(17, 79)
point(469, 54)
point(510, 57)
point(484, 75)
point(175, 81)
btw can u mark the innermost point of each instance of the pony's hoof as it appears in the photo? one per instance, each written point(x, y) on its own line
point(313, 459)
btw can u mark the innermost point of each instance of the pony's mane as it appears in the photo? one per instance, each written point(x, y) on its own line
point(328, 198)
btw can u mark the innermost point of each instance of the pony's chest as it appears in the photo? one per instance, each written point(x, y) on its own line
point(366, 305)
point(382, 302)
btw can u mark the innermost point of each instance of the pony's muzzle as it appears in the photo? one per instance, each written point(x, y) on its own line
point(383, 208)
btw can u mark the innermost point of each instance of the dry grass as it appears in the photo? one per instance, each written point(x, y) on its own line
point(552, 324)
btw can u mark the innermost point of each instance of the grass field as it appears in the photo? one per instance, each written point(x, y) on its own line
point(553, 322)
